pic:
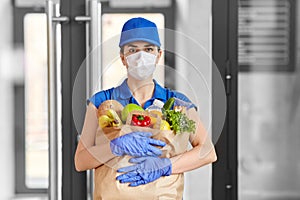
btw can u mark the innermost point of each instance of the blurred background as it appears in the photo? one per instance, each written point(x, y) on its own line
point(50, 53)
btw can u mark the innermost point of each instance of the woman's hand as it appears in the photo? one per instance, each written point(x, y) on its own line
point(146, 170)
point(136, 144)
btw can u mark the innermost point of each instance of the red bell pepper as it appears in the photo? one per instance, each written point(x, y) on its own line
point(141, 120)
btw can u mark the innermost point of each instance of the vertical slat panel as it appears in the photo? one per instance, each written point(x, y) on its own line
point(264, 32)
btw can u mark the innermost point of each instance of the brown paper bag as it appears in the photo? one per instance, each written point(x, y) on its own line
point(167, 187)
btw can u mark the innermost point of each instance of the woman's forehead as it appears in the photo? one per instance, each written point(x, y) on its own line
point(139, 44)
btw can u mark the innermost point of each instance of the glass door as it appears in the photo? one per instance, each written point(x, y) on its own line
point(268, 101)
point(269, 135)
point(31, 163)
point(36, 109)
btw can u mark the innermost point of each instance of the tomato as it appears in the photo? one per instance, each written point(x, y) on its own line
point(141, 120)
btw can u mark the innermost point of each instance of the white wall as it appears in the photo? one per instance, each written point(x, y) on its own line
point(193, 19)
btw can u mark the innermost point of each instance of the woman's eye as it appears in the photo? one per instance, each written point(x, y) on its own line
point(149, 49)
point(131, 50)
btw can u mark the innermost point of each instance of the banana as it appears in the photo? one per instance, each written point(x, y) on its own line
point(104, 121)
point(110, 119)
point(116, 121)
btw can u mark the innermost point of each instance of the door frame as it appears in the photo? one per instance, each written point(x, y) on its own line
point(224, 45)
point(224, 53)
point(73, 54)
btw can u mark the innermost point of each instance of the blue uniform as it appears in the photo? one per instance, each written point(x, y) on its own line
point(123, 95)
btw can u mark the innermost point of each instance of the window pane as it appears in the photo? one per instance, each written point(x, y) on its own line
point(36, 101)
point(266, 30)
point(269, 140)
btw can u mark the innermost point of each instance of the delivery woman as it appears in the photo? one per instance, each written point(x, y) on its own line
point(151, 174)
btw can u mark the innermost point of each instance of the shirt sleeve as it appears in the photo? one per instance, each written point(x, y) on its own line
point(100, 97)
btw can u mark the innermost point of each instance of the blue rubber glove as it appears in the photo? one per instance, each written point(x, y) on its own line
point(146, 170)
point(136, 144)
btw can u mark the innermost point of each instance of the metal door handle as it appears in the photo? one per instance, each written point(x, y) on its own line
point(93, 44)
point(95, 68)
point(61, 19)
point(54, 98)
point(93, 58)
point(82, 18)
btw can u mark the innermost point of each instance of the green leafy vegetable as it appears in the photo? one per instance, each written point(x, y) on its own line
point(178, 121)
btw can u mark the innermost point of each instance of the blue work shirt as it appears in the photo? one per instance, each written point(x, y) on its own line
point(123, 95)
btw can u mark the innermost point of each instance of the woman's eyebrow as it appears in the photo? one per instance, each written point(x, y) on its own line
point(131, 45)
point(146, 45)
point(149, 45)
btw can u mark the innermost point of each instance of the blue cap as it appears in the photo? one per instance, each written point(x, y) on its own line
point(139, 29)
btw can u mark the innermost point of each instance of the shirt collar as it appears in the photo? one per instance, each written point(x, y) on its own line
point(159, 92)
point(124, 92)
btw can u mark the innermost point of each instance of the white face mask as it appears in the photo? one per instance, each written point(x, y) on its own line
point(141, 65)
